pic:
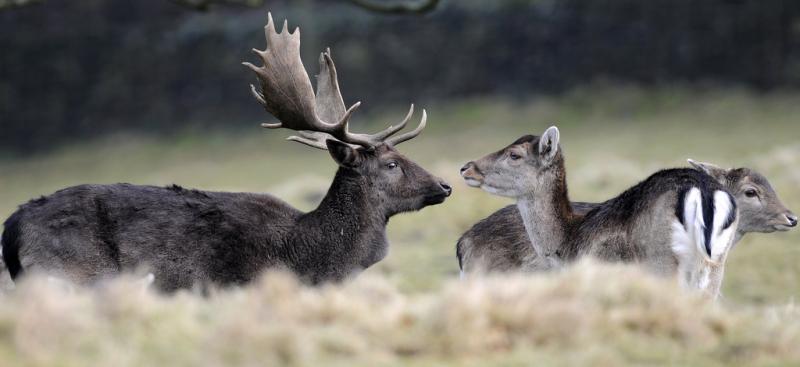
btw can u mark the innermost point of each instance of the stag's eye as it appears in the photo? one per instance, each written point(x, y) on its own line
point(751, 193)
point(391, 165)
point(513, 156)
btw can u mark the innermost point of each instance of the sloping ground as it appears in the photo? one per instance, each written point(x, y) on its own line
point(588, 315)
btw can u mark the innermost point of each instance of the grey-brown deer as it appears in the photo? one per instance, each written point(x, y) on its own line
point(679, 222)
point(499, 243)
point(186, 237)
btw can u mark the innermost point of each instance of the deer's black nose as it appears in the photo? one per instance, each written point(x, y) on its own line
point(792, 219)
point(447, 189)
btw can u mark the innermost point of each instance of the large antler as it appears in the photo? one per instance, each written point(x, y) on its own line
point(286, 93)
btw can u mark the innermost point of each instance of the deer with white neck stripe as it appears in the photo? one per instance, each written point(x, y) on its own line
point(679, 222)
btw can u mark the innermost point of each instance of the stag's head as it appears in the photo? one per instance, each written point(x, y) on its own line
point(530, 164)
point(759, 206)
point(322, 121)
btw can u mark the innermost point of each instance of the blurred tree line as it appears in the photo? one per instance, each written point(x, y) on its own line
point(72, 69)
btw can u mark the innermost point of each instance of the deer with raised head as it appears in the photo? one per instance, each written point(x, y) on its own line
point(186, 237)
point(679, 222)
point(499, 243)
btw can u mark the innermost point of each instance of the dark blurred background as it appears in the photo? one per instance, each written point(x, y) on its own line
point(78, 69)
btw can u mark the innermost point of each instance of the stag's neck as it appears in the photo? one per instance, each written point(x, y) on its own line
point(546, 214)
point(351, 227)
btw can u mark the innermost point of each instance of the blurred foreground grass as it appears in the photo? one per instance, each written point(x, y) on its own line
point(612, 137)
point(590, 315)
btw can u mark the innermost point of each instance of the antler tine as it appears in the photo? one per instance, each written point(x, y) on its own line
point(314, 139)
point(411, 134)
point(393, 129)
point(274, 125)
point(314, 143)
point(259, 97)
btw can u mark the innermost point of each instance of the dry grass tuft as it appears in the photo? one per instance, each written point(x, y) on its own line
point(591, 313)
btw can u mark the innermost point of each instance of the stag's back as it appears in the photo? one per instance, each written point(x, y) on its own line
point(184, 236)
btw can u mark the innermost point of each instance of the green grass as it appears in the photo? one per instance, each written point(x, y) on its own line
point(612, 137)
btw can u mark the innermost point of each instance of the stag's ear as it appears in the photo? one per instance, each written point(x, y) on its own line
point(548, 143)
point(711, 169)
point(344, 154)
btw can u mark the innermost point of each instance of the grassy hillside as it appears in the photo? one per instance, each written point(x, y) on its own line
point(612, 138)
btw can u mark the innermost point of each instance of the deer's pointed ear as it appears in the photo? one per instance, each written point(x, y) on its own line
point(344, 154)
point(711, 169)
point(548, 143)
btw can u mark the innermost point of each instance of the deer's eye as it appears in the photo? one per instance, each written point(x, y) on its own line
point(513, 156)
point(750, 193)
point(391, 165)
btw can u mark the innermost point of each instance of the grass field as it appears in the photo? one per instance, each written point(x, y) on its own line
point(612, 137)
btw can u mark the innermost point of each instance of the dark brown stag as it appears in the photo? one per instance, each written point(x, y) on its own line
point(186, 237)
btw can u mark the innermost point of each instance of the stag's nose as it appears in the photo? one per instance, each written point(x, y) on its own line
point(447, 189)
point(792, 219)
